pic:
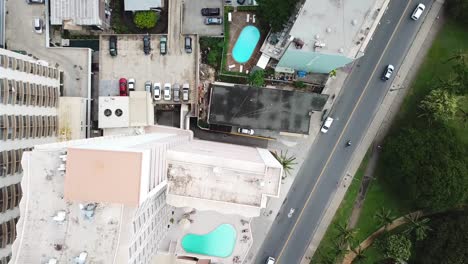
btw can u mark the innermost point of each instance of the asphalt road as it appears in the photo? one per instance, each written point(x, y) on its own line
point(328, 158)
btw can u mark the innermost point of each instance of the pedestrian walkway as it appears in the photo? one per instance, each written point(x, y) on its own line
point(385, 114)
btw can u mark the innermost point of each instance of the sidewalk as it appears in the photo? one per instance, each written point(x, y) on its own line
point(384, 116)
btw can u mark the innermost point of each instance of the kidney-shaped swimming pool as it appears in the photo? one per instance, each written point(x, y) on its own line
point(245, 44)
point(218, 243)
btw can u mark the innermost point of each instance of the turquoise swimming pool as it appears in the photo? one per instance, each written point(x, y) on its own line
point(245, 44)
point(218, 243)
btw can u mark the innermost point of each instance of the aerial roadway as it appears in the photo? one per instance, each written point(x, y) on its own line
point(329, 157)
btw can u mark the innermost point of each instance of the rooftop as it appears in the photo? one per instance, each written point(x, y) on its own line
point(334, 25)
point(264, 108)
point(79, 12)
point(140, 5)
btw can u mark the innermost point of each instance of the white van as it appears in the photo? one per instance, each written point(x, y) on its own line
point(418, 11)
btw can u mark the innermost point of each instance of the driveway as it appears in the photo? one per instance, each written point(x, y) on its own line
point(193, 21)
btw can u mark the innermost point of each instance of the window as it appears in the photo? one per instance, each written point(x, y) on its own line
point(10, 127)
point(11, 92)
point(26, 66)
point(45, 126)
point(33, 89)
point(32, 68)
point(10, 62)
point(40, 126)
point(40, 95)
point(19, 65)
point(18, 127)
point(3, 127)
point(46, 95)
point(33, 126)
point(3, 61)
point(3, 163)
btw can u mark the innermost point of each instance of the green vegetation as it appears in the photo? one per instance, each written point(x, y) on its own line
point(246, 8)
point(275, 13)
point(326, 251)
point(257, 78)
point(145, 19)
point(116, 20)
point(458, 9)
point(440, 105)
point(299, 84)
point(212, 48)
point(288, 162)
point(395, 247)
point(447, 243)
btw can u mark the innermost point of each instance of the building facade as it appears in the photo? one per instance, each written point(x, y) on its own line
point(29, 92)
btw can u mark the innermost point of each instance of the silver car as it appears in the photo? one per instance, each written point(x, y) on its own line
point(167, 91)
point(176, 89)
point(185, 92)
point(157, 91)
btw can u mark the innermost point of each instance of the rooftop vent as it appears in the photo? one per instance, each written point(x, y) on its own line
point(298, 43)
point(81, 259)
point(354, 22)
point(329, 30)
point(107, 112)
point(118, 112)
point(60, 216)
point(319, 44)
point(52, 261)
point(88, 209)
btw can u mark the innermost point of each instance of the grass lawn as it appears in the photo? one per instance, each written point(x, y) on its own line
point(211, 51)
point(342, 215)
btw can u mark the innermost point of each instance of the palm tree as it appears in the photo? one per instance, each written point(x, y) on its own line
point(417, 225)
point(384, 217)
point(286, 161)
point(360, 257)
point(346, 234)
point(463, 116)
point(340, 248)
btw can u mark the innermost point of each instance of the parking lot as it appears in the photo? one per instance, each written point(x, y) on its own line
point(193, 21)
point(177, 66)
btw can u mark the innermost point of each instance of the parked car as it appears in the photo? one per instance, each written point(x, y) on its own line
point(163, 45)
point(246, 131)
point(113, 45)
point(210, 11)
point(131, 84)
point(147, 44)
point(188, 44)
point(157, 91)
point(326, 125)
point(213, 21)
point(270, 260)
point(35, 1)
point(123, 87)
point(148, 86)
point(418, 11)
point(167, 91)
point(240, 2)
point(176, 92)
point(388, 72)
point(37, 25)
point(185, 92)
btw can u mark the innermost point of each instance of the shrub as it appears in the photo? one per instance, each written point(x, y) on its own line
point(299, 84)
point(257, 78)
point(397, 247)
point(145, 19)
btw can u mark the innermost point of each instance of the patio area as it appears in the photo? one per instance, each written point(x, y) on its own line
point(189, 221)
point(241, 19)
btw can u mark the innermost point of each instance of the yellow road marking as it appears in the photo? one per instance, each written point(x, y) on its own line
point(341, 135)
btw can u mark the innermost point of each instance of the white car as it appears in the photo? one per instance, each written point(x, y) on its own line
point(291, 212)
point(185, 92)
point(270, 260)
point(131, 84)
point(326, 125)
point(388, 72)
point(157, 91)
point(418, 11)
point(38, 25)
point(167, 91)
point(246, 131)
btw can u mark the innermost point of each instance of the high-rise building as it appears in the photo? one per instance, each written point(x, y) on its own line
point(29, 91)
point(114, 199)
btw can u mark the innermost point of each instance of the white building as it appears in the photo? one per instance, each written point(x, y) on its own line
point(29, 92)
point(104, 199)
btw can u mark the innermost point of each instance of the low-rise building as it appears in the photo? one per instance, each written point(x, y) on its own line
point(74, 14)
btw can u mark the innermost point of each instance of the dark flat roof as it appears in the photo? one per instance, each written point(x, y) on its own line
point(264, 108)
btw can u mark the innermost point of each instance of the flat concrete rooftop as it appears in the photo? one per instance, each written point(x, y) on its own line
point(335, 23)
point(264, 108)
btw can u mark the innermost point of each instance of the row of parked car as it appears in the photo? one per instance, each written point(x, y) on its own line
point(213, 16)
point(147, 45)
point(155, 89)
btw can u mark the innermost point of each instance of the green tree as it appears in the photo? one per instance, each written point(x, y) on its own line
point(288, 162)
point(384, 217)
point(447, 243)
point(275, 13)
point(458, 9)
point(396, 247)
point(346, 235)
point(440, 105)
point(360, 256)
point(428, 167)
point(458, 81)
point(299, 84)
point(418, 226)
point(257, 78)
point(145, 19)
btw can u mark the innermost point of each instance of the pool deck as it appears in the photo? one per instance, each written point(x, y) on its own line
point(204, 222)
point(239, 21)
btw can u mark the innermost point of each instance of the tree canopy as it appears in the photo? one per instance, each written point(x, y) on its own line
point(275, 13)
point(145, 19)
point(447, 242)
point(428, 166)
point(257, 78)
point(440, 105)
point(458, 9)
point(396, 247)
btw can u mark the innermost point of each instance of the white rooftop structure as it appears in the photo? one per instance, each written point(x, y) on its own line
point(72, 118)
point(114, 111)
point(142, 5)
point(79, 13)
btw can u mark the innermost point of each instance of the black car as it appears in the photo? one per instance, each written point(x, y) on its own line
point(147, 44)
point(113, 46)
point(210, 11)
point(240, 2)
